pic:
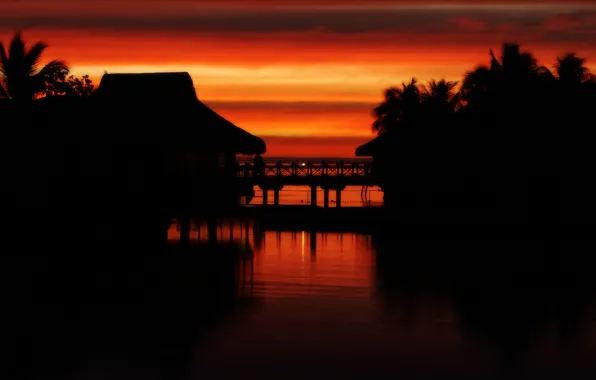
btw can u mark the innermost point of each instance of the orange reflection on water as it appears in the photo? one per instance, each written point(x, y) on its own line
point(294, 264)
point(303, 264)
point(226, 230)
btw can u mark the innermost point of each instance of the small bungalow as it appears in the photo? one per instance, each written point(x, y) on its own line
point(450, 175)
point(185, 148)
point(377, 146)
point(383, 150)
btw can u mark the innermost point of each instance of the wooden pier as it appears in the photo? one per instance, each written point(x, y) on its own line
point(328, 175)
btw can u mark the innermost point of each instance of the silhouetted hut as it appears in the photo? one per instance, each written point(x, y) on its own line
point(381, 149)
point(159, 127)
point(372, 148)
point(448, 176)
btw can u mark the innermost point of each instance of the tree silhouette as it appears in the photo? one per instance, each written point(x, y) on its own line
point(21, 74)
point(64, 85)
point(401, 106)
point(515, 133)
point(572, 70)
point(440, 97)
point(505, 82)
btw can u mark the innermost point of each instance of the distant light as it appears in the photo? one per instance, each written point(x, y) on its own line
point(303, 164)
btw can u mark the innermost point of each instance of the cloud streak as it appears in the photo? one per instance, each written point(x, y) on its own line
point(543, 20)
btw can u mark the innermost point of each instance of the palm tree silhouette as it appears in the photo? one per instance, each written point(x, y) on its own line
point(401, 107)
point(21, 76)
point(572, 70)
point(505, 79)
point(476, 85)
point(440, 98)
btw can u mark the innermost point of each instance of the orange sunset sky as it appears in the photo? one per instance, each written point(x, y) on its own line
point(304, 75)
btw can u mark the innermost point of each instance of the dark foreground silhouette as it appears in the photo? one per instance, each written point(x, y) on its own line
point(109, 298)
point(514, 145)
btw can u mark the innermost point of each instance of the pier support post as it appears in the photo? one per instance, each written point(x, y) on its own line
point(185, 230)
point(265, 196)
point(246, 232)
point(212, 230)
point(231, 230)
point(338, 197)
point(313, 195)
point(326, 197)
point(276, 196)
point(313, 246)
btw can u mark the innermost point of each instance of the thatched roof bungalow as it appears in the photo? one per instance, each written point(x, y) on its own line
point(197, 146)
point(169, 102)
point(381, 144)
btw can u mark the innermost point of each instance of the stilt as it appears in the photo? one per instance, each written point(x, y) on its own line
point(338, 197)
point(276, 196)
point(185, 230)
point(313, 245)
point(246, 239)
point(212, 230)
point(231, 229)
point(326, 198)
point(313, 195)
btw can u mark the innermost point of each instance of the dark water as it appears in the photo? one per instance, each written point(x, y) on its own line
point(297, 305)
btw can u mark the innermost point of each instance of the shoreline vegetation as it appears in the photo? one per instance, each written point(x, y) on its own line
point(515, 141)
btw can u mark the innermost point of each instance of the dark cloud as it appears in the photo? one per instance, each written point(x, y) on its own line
point(562, 22)
point(331, 20)
point(439, 24)
point(469, 24)
point(340, 21)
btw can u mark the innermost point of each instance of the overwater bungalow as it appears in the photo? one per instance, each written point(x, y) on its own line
point(374, 147)
point(140, 140)
point(445, 178)
point(197, 147)
point(384, 150)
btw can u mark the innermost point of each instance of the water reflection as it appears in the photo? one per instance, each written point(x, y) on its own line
point(316, 265)
point(365, 306)
point(236, 300)
point(118, 304)
point(525, 305)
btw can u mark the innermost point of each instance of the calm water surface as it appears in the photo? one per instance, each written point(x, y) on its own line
point(343, 305)
point(295, 305)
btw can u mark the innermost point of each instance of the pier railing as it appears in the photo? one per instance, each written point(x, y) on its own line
point(307, 169)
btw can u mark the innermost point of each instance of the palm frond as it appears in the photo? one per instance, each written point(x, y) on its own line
point(377, 126)
point(48, 75)
point(3, 92)
point(16, 50)
point(33, 56)
point(571, 68)
point(495, 65)
point(3, 59)
point(51, 68)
